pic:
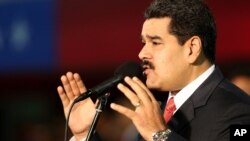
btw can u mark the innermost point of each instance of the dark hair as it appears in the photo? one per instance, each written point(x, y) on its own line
point(188, 18)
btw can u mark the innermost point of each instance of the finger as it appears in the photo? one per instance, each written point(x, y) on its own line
point(64, 98)
point(96, 102)
point(80, 83)
point(129, 94)
point(73, 84)
point(141, 93)
point(141, 84)
point(67, 87)
point(123, 110)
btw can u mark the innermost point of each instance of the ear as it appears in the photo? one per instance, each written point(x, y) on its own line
point(193, 49)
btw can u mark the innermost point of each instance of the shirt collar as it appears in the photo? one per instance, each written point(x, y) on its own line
point(188, 90)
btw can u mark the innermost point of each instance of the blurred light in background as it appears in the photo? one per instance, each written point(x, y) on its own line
point(27, 35)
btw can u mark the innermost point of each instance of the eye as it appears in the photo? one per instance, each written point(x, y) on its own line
point(143, 43)
point(156, 43)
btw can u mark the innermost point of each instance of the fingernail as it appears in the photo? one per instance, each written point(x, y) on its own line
point(119, 85)
point(112, 105)
point(135, 78)
point(127, 78)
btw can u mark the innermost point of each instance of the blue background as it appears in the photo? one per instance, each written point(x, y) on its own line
point(27, 35)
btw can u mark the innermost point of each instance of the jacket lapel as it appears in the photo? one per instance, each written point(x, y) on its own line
point(199, 98)
point(182, 117)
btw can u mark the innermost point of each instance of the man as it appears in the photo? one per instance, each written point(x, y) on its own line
point(178, 55)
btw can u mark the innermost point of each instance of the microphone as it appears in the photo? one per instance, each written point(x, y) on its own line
point(127, 69)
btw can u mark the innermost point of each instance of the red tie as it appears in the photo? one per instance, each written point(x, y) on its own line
point(169, 110)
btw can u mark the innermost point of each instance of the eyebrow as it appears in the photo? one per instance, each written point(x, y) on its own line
point(155, 37)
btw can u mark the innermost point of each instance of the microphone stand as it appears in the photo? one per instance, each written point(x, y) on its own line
point(100, 107)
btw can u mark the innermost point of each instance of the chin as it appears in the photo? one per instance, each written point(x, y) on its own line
point(151, 85)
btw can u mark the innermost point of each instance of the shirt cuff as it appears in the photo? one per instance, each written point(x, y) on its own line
point(74, 139)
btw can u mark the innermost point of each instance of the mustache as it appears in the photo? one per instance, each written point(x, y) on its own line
point(147, 64)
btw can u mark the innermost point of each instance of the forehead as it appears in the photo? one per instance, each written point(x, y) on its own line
point(156, 26)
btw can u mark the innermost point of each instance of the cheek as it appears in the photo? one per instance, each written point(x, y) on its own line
point(170, 68)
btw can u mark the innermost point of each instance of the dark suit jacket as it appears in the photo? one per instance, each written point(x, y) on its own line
point(209, 112)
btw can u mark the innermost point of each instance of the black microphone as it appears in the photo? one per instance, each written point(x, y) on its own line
point(127, 69)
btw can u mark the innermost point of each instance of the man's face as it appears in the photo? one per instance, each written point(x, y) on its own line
point(166, 69)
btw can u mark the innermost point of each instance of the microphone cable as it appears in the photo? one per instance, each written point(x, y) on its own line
point(67, 121)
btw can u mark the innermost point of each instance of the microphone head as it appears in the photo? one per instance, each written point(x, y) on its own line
point(129, 69)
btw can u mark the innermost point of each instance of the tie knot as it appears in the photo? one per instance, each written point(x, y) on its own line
point(170, 105)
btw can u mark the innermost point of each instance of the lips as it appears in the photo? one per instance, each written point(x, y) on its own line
point(147, 66)
point(146, 69)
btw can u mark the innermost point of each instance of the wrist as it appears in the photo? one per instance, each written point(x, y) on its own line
point(161, 135)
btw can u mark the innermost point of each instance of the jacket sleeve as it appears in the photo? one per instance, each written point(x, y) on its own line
point(175, 137)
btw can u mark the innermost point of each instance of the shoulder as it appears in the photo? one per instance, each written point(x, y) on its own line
point(232, 102)
point(231, 93)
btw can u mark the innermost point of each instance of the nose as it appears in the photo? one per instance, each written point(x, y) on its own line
point(144, 53)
